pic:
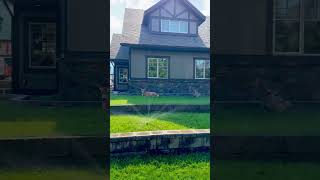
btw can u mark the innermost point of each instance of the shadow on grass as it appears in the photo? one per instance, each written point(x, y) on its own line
point(255, 120)
point(19, 120)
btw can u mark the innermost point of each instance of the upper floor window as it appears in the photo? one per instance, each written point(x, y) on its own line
point(297, 26)
point(202, 69)
point(174, 26)
point(158, 67)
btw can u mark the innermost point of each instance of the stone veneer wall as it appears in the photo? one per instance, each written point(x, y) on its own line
point(160, 141)
point(245, 78)
point(79, 78)
point(170, 86)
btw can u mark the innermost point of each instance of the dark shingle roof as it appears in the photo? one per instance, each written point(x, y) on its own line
point(134, 32)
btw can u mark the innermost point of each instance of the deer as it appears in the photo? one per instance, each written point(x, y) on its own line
point(147, 93)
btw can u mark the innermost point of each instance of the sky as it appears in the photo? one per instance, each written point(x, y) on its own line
point(117, 10)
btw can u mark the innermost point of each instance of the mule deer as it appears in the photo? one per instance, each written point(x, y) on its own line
point(147, 93)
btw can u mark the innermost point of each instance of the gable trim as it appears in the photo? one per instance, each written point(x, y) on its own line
point(197, 13)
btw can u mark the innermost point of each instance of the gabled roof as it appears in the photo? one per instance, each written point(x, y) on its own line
point(134, 33)
point(201, 17)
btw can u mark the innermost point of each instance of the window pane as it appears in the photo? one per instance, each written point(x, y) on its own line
point(152, 72)
point(174, 26)
point(183, 27)
point(207, 69)
point(163, 72)
point(287, 9)
point(163, 62)
point(312, 9)
point(199, 68)
point(42, 44)
point(287, 36)
point(123, 75)
point(152, 67)
point(312, 37)
point(164, 25)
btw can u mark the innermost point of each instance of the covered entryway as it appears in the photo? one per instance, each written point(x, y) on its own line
point(121, 72)
point(35, 46)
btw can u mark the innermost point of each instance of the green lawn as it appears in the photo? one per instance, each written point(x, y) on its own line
point(55, 173)
point(265, 170)
point(17, 120)
point(159, 121)
point(58, 169)
point(174, 167)
point(142, 100)
point(301, 120)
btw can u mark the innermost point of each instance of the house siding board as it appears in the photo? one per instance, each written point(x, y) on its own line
point(155, 24)
point(5, 33)
point(179, 7)
point(169, 5)
point(92, 32)
point(193, 27)
point(183, 15)
point(236, 30)
point(181, 63)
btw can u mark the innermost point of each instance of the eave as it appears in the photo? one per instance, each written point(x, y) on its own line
point(166, 48)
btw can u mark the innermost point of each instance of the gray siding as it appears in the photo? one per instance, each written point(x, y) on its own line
point(240, 27)
point(87, 29)
point(5, 31)
point(193, 27)
point(180, 67)
point(155, 24)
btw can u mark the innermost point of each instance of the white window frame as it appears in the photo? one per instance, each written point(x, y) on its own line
point(158, 59)
point(301, 32)
point(54, 66)
point(204, 68)
point(179, 26)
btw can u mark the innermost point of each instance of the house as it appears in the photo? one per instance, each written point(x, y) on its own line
point(165, 49)
point(266, 46)
point(58, 49)
point(5, 42)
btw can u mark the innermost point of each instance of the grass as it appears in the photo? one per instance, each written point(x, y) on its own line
point(52, 174)
point(159, 121)
point(265, 170)
point(161, 167)
point(143, 100)
point(61, 169)
point(301, 120)
point(19, 120)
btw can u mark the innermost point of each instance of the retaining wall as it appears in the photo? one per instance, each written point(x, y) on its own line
point(60, 147)
point(160, 141)
point(266, 147)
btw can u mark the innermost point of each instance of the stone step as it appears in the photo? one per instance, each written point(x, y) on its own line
point(5, 91)
point(5, 84)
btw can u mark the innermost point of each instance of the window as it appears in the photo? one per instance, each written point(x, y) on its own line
point(123, 75)
point(42, 45)
point(174, 26)
point(202, 69)
point(297, 26)
point(1, 22)
point(158, 68)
